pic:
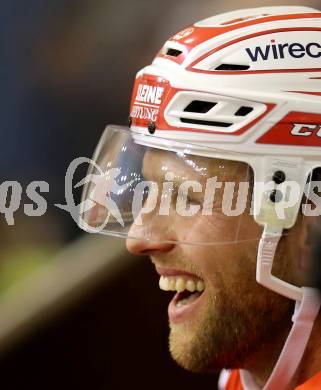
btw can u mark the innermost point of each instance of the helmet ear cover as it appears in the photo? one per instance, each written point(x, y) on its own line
point(277, 202)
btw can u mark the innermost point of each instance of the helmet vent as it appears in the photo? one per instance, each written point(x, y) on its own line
point(173, 52)
point(243, 111)
point(232, 67)
point(205, 123)
point(211, 112)
point(199, 106)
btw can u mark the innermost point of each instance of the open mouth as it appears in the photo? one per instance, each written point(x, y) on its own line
point(189, 291)
point(186, 298)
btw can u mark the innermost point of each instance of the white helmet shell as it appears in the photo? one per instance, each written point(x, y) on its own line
point(247, 83)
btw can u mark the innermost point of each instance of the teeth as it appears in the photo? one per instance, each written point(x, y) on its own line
point(200, 286)
point(172, 284)
point(182, 302)
point(190, 285)
point(164, 284)
point(180, 284)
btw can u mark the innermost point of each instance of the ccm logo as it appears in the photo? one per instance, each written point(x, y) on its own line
point(304, 130)
point(149, 94)
point(280, 51)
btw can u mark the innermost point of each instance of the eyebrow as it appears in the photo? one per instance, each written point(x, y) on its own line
point(157, 163)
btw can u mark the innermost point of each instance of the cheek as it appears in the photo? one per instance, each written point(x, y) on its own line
point(223, 261)
point(217, 228)
point(232, 266)
point(223, 266)
point(204, 259)
point(291, 260)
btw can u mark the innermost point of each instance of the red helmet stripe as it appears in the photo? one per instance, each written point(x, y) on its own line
point(297, 128)
point(203, 34)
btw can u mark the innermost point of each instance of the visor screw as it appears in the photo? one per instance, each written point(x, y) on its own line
point(279, 177)
point(129, 121)
point(276, 196)
point(151, 127)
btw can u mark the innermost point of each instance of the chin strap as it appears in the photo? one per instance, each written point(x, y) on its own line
point(307, 307)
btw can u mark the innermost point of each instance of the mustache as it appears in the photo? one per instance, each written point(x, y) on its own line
point(176, 262)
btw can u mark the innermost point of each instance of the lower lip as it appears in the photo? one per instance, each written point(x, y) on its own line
point(183, 313)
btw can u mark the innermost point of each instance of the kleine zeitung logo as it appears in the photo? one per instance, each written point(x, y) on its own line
point(149, 94)
point(147, 102)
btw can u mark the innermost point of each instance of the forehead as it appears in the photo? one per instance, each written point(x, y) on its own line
point(157, 163)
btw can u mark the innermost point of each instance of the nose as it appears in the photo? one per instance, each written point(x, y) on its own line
point(138, 243)
point(138, 246)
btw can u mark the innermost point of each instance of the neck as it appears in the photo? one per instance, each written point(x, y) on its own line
point(262, 363)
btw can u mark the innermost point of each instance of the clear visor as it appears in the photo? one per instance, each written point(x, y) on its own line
point(142, 192)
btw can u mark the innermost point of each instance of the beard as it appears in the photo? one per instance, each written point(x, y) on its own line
point(234, 326)
point(226, 336)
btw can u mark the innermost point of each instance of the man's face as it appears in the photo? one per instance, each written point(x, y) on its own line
point(219, 315)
